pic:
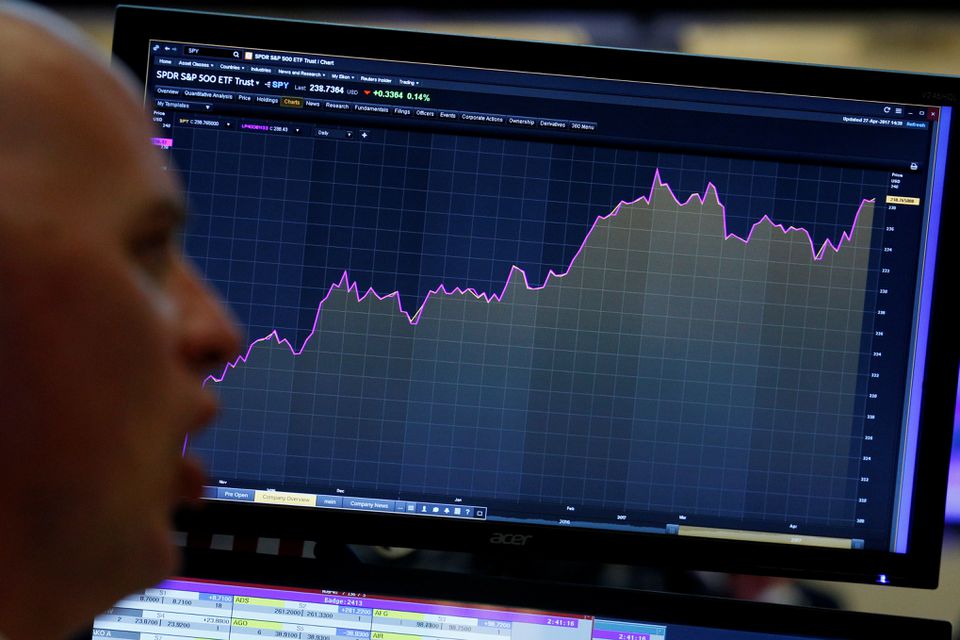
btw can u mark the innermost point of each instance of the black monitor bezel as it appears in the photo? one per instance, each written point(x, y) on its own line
point(919, 567)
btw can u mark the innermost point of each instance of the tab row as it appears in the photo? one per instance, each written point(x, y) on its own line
point(405, 111)
point(474, 117)
point(433, 509)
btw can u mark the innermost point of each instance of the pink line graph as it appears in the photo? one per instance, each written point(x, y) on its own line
point(413, 319)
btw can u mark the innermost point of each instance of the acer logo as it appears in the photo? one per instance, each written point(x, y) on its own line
point(940, 95)
point(515, 539)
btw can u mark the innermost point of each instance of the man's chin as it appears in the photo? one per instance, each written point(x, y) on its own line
point(126, 566)
point(159, 558)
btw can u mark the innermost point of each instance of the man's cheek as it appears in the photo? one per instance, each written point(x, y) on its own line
point(158, 296)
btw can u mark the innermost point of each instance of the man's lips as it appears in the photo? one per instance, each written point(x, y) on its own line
point(192, 474)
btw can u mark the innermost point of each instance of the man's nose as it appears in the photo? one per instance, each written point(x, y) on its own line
point(210, 335)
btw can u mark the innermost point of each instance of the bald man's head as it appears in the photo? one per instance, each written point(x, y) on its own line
point(61, 105)
point(105, 334)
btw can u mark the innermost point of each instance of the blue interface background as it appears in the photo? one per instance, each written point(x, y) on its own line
point(277, 219)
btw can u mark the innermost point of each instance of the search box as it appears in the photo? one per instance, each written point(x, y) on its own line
point(212, 52)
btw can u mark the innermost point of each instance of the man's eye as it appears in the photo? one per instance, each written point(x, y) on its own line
point(154, 253)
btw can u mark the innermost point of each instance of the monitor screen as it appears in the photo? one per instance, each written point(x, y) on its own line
point(321, 607)
point(523, 294)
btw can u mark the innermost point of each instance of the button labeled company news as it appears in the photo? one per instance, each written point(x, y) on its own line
point(368, 504)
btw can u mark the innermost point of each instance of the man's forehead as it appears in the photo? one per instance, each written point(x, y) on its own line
point(27, 15)
point(64, 109)
point(51, 76)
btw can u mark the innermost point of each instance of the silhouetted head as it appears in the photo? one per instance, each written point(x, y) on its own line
point(105, 335)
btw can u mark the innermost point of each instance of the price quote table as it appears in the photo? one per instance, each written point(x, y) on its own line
point(188, 609)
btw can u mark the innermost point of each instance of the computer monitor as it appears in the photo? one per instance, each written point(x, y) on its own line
point(512, 296)
point(953, 483)
point(262, 596)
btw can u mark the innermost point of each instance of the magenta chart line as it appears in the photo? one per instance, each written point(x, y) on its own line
point(345, 282)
